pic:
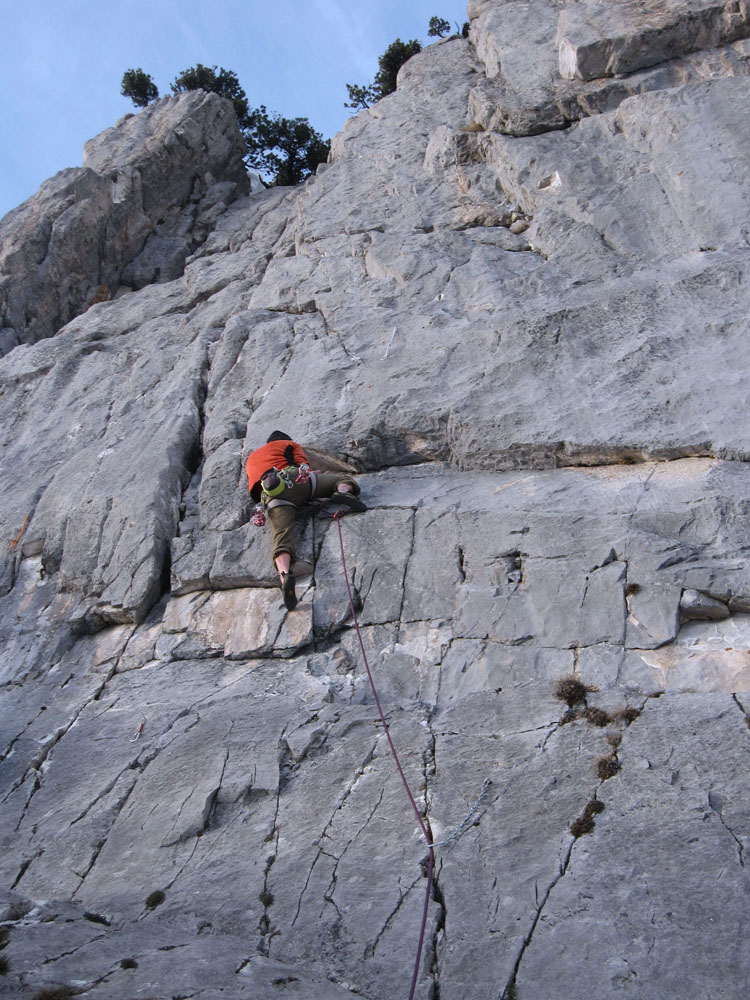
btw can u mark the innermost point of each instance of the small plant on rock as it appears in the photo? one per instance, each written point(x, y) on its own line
point(627, 715)
point(571, 690)
point(607, 767)
point(597, 717)
point(155, 899)
point(585, 822)
point(128, 963)
point(139, 87)
point(439, 27)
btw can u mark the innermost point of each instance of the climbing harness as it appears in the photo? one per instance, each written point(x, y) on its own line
point(279, 480)
point(275, 482)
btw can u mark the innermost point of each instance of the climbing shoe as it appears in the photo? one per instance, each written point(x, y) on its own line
point(287, 590)
point(349, 500)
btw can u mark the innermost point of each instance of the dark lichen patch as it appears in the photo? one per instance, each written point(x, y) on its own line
point(266, 898)
point(607, 767)
point(626, 715)
point(585, 822)
point(4, 966)
point(569, 689)
point(597, 717)
point(128, 963)
point(55, 993)
point(155, 899)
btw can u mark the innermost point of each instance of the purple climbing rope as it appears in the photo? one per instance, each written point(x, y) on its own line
point(427, 837)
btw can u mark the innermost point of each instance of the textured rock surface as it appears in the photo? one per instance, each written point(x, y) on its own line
point(528, 337)
point(148, 193)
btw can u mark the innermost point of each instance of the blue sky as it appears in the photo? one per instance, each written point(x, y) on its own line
point(63, 60)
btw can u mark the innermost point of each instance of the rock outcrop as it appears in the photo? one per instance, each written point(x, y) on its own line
point(515, 304)
point(148, 193)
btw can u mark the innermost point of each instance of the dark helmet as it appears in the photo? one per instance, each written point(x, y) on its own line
point(278, 436)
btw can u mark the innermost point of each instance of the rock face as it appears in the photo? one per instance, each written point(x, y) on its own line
point(148, 193)
point(515, 303)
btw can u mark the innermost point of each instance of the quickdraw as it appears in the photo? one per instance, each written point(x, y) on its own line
point(137, 734)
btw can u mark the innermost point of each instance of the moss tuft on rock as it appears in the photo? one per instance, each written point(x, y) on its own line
point(571, 690)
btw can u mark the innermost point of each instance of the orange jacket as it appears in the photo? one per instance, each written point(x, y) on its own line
point(265, 458)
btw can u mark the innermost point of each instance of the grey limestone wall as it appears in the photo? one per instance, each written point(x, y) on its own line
point(515, 304)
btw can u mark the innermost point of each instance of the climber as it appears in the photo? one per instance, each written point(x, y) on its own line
point(279, 479)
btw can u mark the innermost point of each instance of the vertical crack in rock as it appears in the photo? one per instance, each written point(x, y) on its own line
point(439, 898)
point(25, 865)
point(430, 771)
point(409, 554)
point(461, 565)
point(9, 747)
point(403, 894)
point(552, 730)
point(641, 497)
point(130, 766)
point(98, 848)
point(183, 866)
point(509, 991)
point(286, 360)
point(37, 764)
point(337, 333)
point(337, 808)
point(745, 711)
point(206, 811)
point(266, 897)
point(194, 450)
point(716, 804)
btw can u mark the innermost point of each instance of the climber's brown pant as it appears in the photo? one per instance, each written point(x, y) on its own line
point(282, 516)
